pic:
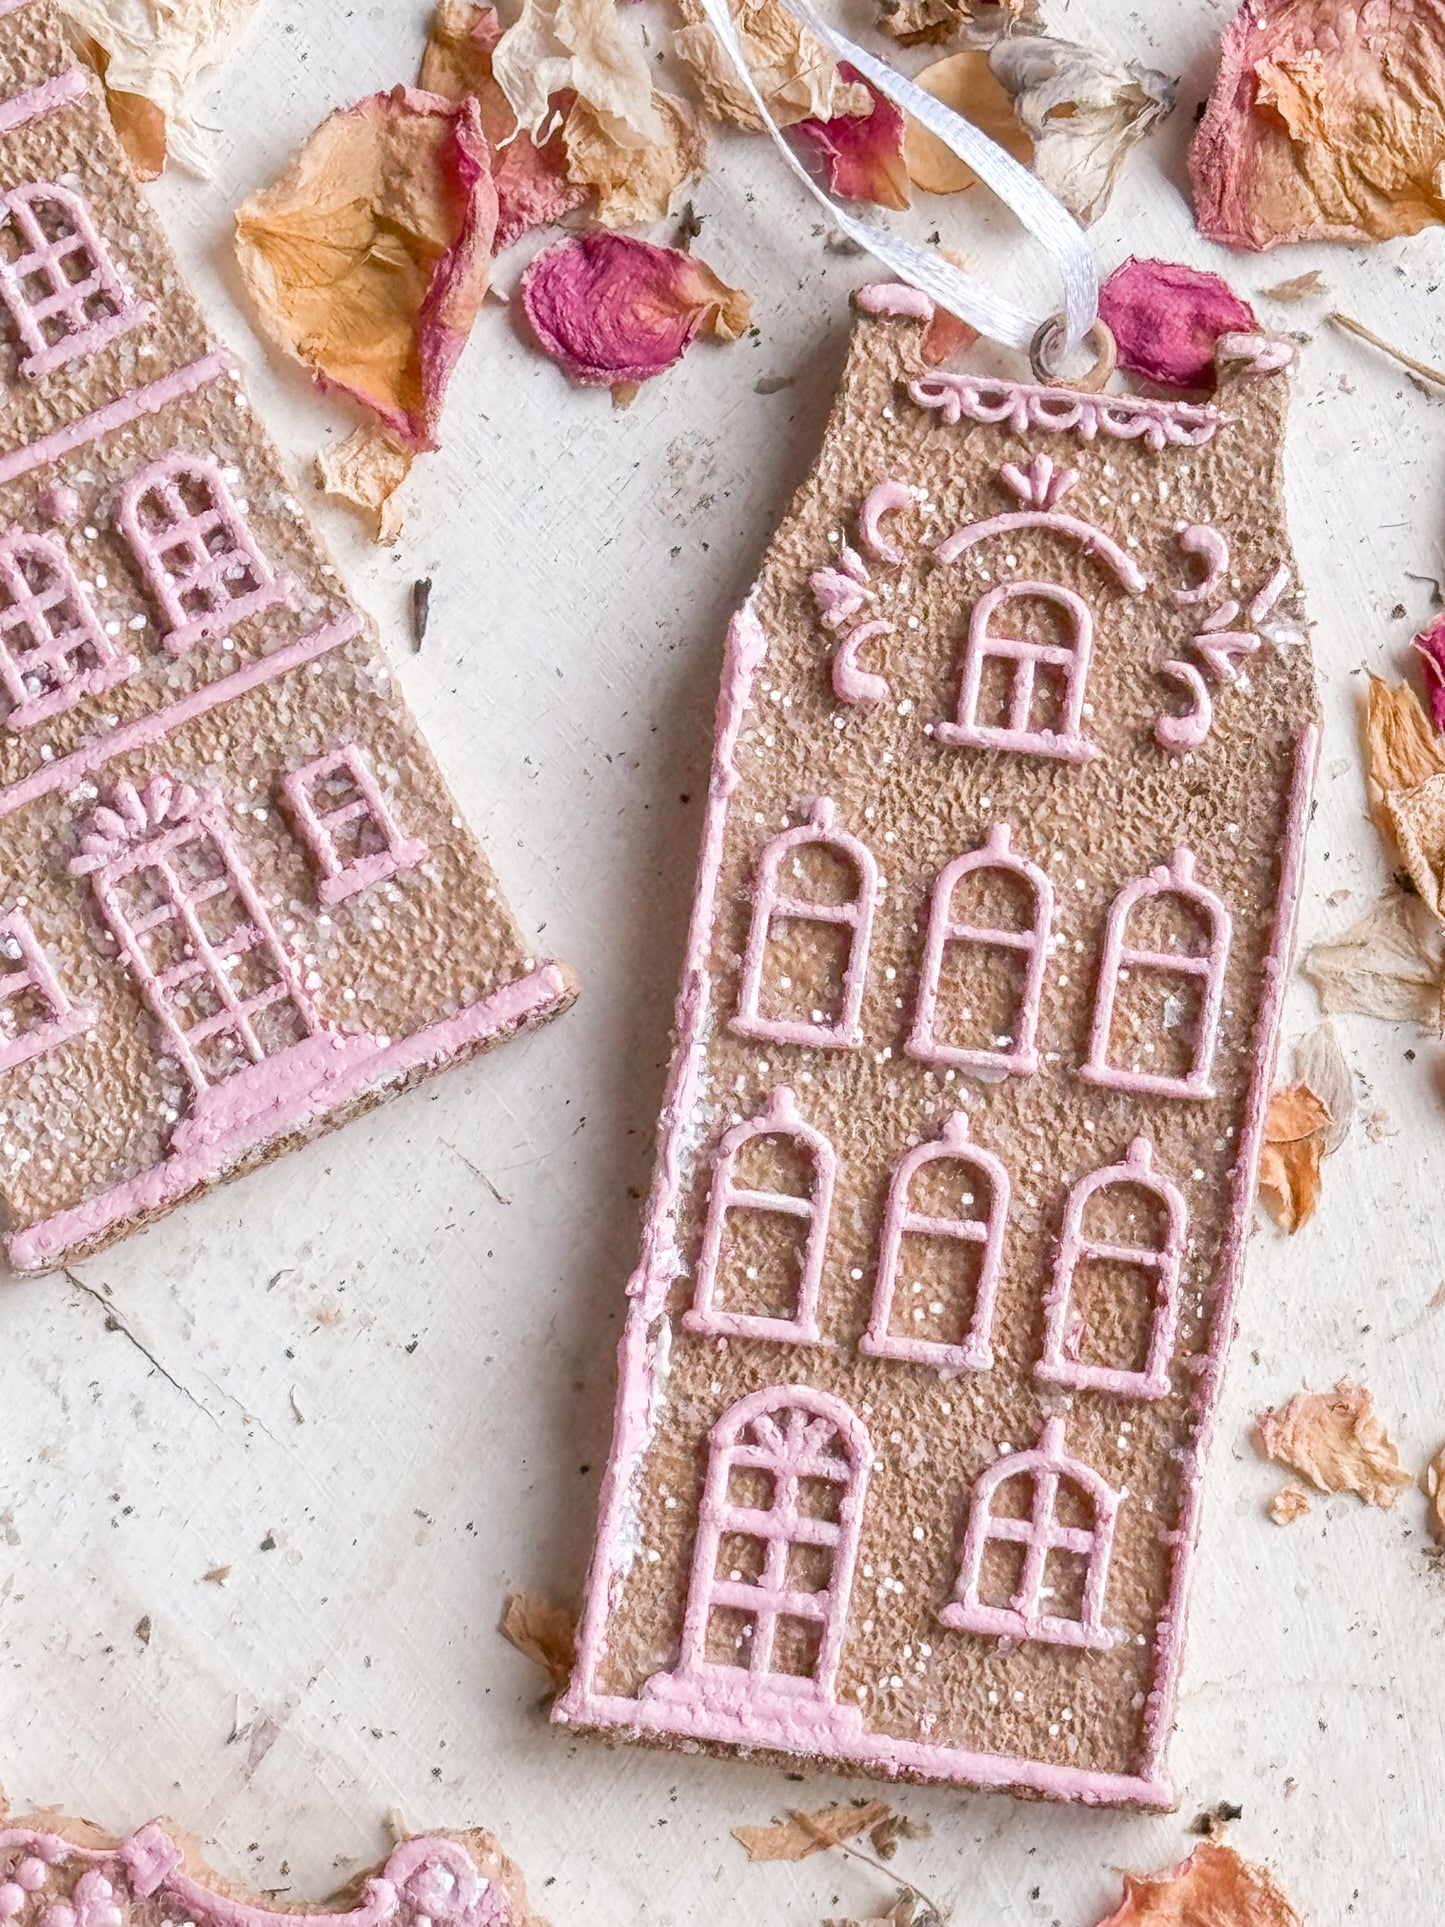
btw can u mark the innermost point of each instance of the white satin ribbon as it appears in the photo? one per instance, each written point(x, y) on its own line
point(963, 294)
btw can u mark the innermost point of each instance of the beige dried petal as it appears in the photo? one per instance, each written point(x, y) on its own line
point(587, 46)
point(1337, 1440)
point(966, 83)
point(1291, 1502)
point(1083, 111)
point(1433, 1481)
point(543, 1633)
point(1402, 749)
point(1390, 964)
point(802, 1834)
point(1214, 1887)
point(1298, 288)
point(1417, 818)
point(1320, 1063)
point(635, 184)
point(367, 470)
point(791, 69)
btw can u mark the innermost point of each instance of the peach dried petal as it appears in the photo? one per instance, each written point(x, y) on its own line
point(1337, 1440)
point(860, 155)
point(1166, 319)
point(369, 257)
point(1214, 1885)
point(613, 309)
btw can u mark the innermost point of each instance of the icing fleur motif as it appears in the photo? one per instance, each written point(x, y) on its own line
point(844, 591)
point(1047, 1469)
point(1040, 485)
point(112, 828)
point(840, 593)
point(988, 398)
point(429, 1881)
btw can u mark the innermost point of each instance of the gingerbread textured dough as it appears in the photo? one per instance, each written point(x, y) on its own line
point(957, 1158)
point(237, 901)
point(56, 1872)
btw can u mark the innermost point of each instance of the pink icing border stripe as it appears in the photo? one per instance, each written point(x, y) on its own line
point(43, 1245)
point(35, 102)
point(11, 6)
point(884, 1752)
point(145, 731)
point(1169, 1637)
point(120, 413)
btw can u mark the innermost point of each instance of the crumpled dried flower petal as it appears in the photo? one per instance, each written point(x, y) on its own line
point(155, 52)
point(1430, 646)
point(1295, 1128)
point(1214, 1887)
point(367, 470)
point(369, 257)
point(1320, 1062)
point(1166, 319)
point(1327, 123)
point(613, 309)
point(635, 184)
point(803, 1834)
point(1401, 749)
point(530, 176)
point(915, 21)
point(1390, 964)
point(1417, 822)
point(967, 83)
point(1337, 1440)
point(1433, 1480)
point(587, 48)
point(1291, 1502)
point(1083, 111)
point(861, 155)
point(543, 1633)
point(791, 68)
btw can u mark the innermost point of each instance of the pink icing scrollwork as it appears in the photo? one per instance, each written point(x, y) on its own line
point(987, 398)
point(852, 683)
point(840, 592)
point(1213, 551)
point(1186, 731)
point(880, 501)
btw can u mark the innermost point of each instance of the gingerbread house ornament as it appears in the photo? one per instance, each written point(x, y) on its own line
point(237, 902)
point(957, 1159)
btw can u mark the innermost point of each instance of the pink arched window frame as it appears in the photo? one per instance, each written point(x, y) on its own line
point(975, 1352)
point(1068, 743)
point(771, 904)
point(1048, 1465)
point(1058, 1362)
point(784, 1431)
point(1176, 879)
point(1021, 1057)
point(779, 1118)
point(58, 326)
point(317, 826)
point(65, 654)
point(175, 553)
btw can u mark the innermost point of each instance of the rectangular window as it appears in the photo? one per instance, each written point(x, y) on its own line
point(348, 828)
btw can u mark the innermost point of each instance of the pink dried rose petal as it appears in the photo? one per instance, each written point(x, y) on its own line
point(1166, 319)
point(1431, 646)
point(861, 155)
point(613, 309)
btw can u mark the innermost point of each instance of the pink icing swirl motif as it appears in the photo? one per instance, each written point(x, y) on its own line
point(989, 398)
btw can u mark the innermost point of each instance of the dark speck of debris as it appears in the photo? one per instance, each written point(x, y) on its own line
point(836, 243)
point(1409, 1057)
point(420, 611)
point(268, 1544)
point(773, 384)
point(684, 796)
point(143, 1629)
point(1397, 614)
point(1209, 1823)
point(409, 1349)
point(689, 227)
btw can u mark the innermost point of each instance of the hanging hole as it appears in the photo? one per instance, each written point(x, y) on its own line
point(1046, 349)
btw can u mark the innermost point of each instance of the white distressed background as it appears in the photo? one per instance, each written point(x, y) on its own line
point(452, 1355)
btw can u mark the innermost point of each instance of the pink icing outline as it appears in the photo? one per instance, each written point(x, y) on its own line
point(1269, 594)
point(976, 1351)
point(1093, 541)
point(769, 906)
point(1266, 354)
point(1201, 540)
point(31, 103)
point(426, 1880)
point(1056, 1364)
point(1174, 879)
point(337, 879)
point(852, 684)
point(120, 413)
point(644, 1339)
point(204, 572)
point(42, 255)
point(1217, 644)
point(146, 731)
point(991, 399)
point(65, 1020)
point(878, 502)
point(53, 649)
point(352, 1066)
point(779, 1118)
point(840, 592)
point(1189, 730)
point(1022, 1058)
point(1069, 743)
point(896, 300)
point(1048, 1465)
point(756, 1690)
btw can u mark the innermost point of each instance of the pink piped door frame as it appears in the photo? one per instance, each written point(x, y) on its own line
point(317, 828)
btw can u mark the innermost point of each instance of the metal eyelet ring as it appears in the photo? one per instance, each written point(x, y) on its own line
point(1050, 337)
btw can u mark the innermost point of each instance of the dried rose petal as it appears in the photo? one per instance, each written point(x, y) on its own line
point(530, 176)
point(1337, 1440)
point(369, 258)
point(1166, 319)
point(1214, 1887)
point(861, 154)
point(610, 308)
point(791, 68)
point(1431, 646)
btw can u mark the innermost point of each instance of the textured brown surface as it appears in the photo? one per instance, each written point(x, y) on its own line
point(389, 960)
point(917, 804)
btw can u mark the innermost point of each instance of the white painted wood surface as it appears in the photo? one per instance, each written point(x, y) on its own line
point(375, 1379)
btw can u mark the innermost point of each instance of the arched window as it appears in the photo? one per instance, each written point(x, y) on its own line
point(1161, 1263)
point(57, 279)
point(977, 1220)
point(347, 824)
point(736, 1213)
point(822, 980)
point(191, 925)
point(192, 541)
point(1037, 687)
point(1018, 1053)
point(35, 1013)
point(1040, 1569)
point(53, 648)
point(772, 1570)
point(1165, 891)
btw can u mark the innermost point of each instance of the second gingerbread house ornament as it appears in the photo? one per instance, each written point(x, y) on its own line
point(957, 1161)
